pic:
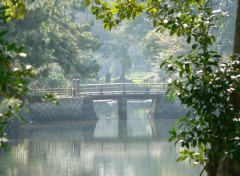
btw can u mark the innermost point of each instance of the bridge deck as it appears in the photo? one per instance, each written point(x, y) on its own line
point(109, 91)
point(127, 95)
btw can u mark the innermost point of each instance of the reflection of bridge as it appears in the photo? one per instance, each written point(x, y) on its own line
point(116, 91)
point(113, 130)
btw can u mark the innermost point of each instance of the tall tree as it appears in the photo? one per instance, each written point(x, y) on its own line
point(121, 47)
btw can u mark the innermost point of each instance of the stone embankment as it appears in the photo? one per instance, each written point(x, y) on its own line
point(67, 109)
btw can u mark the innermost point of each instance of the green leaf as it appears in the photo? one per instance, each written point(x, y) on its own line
point(217, 56)
point(98, 2)
point(11, 46)
point(104, 4)
point(163, 63)
point(182, 158)
point(2, 33)
point(172, 32)
point(87, 3)
point(171, 97)
point(200, 1)
point(194, 46)
point(190, 2)
point(189, 39)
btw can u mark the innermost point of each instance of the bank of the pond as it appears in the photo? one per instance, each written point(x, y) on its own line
point(76, 109)
point(73, 109)
point(67, 109)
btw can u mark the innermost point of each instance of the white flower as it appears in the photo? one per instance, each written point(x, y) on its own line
point(165, 21)
point(22, 54)
point(28, 66)
point(217, 11)
point(169, 80)
point(15, 69)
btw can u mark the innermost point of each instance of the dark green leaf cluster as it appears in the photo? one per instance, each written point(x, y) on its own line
point(113, 14)
point(14, 75)
point(214, 123)
point(209, 87)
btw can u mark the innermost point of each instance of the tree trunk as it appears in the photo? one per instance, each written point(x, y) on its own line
point(122, 72)
point(236, 51)
point(236, 46)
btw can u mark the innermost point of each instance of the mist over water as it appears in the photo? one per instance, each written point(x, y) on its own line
point(106, 147)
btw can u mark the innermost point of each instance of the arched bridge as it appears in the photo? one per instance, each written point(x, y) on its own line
point(117, 91)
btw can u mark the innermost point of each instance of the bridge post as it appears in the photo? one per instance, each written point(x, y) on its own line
point(146, 88)
point(122, 108)
point(77, 87)
point(88, 110)
point(122, 129)
point(101, 89)
point(153, 113)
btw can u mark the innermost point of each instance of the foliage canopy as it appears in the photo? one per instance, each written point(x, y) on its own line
point(52, 37)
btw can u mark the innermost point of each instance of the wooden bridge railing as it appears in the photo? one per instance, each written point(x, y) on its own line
point(119, 88)
point(103, 89)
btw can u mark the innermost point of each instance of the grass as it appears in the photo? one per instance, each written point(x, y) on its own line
point(137, 76)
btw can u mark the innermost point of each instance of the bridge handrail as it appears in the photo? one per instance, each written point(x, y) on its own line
point(106, 88)
point(122, 87)
point(123, 84)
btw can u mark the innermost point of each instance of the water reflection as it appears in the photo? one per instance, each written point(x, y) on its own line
point(70, 151)
point(136, 147)
point(114, 128)
point(106, 129)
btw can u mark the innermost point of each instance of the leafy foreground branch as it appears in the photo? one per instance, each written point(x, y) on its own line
point(213, 125)
point(13, 73)
point(209, 86)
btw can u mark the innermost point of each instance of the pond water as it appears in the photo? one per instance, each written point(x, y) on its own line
point(106, 147)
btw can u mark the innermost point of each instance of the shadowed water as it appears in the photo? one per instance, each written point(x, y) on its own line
point(107, 147)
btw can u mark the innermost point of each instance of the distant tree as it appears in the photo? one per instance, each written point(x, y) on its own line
point(115, 49)
point(121, 48)
point(225, 31)
point(158, 47)
point(50, 37)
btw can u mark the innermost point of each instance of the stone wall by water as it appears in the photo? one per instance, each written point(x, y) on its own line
point(67, 109)
point(167, 109)
point(83, 109)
